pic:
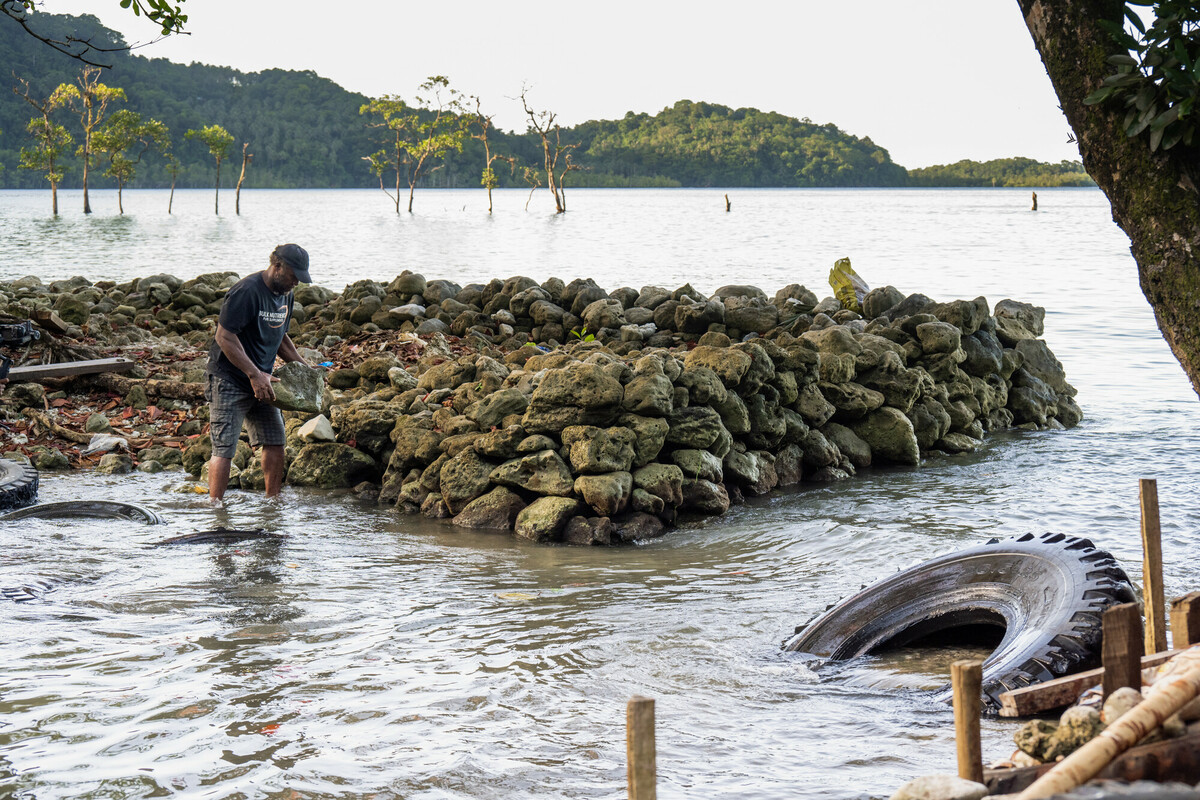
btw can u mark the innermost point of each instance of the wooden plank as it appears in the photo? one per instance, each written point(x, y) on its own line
point(640, 749)
point(1185, 620)
point(1121, 650)
point(966, 678)
point(1060, 692)
point(37, 372)
point(1170, 760)
point(1152, 567)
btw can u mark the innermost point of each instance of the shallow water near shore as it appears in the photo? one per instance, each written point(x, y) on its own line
point(371, 654)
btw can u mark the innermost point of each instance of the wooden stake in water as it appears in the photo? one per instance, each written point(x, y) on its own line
point(966, 680)
point(1152, 568)
point(639, 748)
point(1122, 648)
point(1185, 621)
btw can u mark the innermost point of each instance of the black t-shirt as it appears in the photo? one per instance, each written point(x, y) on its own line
point(259, 318)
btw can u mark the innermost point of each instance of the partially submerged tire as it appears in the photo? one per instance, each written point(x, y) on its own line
point(18, 484)
point(87, 509)
point(1047, 593)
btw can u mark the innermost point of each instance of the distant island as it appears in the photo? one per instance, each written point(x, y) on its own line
point(1002, 172)
point(305, 131)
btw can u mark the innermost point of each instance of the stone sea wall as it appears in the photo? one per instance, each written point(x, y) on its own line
point(565, 412)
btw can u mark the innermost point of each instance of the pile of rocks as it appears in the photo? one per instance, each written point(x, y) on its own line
point(565, 412)
point(1043, 741)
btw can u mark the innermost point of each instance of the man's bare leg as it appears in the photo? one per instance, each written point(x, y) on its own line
point(218, 476)
point(272, 463)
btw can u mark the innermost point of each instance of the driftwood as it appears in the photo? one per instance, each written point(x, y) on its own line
point(1168, 760)
point(1168, 694)
point(56, 429)
point(173, 389)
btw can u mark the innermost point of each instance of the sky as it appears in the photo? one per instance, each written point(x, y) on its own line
point(933, 81)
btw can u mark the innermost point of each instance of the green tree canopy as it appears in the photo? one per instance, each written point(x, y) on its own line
point(124, 139)
point(217, 140)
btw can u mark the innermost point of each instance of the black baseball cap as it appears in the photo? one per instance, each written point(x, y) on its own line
point(296, 257)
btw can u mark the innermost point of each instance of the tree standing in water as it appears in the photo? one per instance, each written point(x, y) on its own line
point(417, 135)
point(237, 195)
point(50, 141)
point(543, 124)
point(125, 138)
point(484, 124)
point(89, 98)
point(218, 140)
point(530, 176)
point(172, 170)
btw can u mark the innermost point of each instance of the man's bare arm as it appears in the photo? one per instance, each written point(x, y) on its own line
point(260, 381)
point(289, 353)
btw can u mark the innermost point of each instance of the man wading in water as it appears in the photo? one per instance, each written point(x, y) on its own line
point(251, 332)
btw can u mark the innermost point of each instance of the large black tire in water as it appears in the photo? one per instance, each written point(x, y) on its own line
point(1138, 790)
point(18, 484)
point(87, 509)
point(1047, 593)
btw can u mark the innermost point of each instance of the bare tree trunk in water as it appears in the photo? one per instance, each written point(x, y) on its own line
point(171, 199)
point(87, 158)
point(1153, 195)
point(237, 197)
point(120, 191)
point(217, 197)
point(54, 197)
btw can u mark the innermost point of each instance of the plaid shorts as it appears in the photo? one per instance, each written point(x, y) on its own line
point(229, 406)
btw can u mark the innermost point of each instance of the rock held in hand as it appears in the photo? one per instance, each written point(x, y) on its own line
point(299, 388)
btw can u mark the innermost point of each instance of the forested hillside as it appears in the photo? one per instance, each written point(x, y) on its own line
point(306, 131)
point(1002, 172)
point(700, 144)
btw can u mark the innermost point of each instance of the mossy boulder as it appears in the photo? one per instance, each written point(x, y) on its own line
point(463, 478)
point(543, 473)
point(544, 519)
point(330, 465)
point(608, 494)
point(115, 464)
point(496, 510)
point(580, 394)
point(890, 436)
point(598, 450)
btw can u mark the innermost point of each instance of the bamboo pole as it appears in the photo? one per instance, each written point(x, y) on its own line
point(1166, 696)
point(966, 680)
point(1121, 648)
point(1152, 568)
point(1185, 620)
point(639, 748)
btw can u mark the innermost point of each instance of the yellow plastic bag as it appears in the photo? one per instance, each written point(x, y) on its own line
point(847, 286)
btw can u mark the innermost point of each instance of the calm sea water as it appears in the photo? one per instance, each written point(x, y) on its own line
point(379, 655)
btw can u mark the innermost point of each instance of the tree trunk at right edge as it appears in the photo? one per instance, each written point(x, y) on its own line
point(87, 157)
point(1153, 195)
